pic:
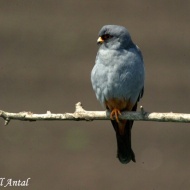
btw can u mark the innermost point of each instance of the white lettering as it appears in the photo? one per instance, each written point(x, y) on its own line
point(11, 182)
point(8, 182)
point(15, 183)
point(1, 181)
point(27, 181)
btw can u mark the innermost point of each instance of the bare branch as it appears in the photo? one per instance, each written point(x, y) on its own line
point(81, 114)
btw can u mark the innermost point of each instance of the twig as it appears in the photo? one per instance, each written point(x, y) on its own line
point(81, 114)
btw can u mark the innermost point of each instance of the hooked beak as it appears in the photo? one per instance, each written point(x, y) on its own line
point(100, 40)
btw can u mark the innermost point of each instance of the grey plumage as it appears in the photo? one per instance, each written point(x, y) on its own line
point(118, 72)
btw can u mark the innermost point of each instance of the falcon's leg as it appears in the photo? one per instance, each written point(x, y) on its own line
point(115, 113)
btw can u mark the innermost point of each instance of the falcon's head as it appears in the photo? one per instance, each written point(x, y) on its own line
point(114, 37)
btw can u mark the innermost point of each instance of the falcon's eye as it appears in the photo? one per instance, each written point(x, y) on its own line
point(106, 36)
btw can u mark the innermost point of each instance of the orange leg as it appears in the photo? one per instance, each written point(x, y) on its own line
point(115, 113)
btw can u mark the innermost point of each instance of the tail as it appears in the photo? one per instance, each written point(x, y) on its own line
point(124, 151)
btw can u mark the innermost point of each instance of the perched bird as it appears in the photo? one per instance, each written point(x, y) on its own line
point(118, 81)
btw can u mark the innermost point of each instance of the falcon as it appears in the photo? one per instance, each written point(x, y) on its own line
point(118, 81)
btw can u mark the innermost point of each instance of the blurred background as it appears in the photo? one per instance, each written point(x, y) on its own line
point(47, 51)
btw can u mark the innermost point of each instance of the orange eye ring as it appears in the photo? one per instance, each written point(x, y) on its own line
point(106, 36)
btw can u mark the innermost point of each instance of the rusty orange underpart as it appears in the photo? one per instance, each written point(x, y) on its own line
point(120, 104)
point(116, 106)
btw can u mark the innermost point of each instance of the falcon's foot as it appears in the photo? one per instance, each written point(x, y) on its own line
point(115, 113)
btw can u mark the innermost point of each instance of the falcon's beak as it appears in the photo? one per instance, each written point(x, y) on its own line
point(100, 40)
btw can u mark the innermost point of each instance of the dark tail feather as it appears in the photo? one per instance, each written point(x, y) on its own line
point(124, 151)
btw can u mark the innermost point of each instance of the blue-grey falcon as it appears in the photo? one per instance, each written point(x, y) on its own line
point(118, 81)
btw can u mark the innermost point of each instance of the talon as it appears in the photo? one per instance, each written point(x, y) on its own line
point(115, 113)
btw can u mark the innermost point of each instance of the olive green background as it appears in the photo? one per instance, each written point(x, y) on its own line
point(47, 51)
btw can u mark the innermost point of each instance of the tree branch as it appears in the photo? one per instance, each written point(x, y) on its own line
point(81, 114)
